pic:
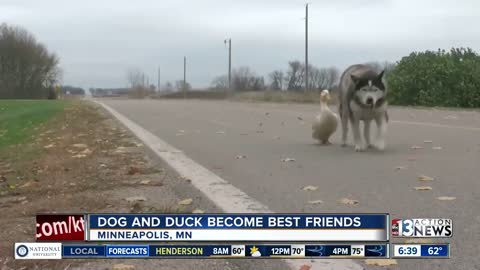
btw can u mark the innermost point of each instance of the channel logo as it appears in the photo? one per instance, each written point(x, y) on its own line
point(38, 251)
point(422, 227)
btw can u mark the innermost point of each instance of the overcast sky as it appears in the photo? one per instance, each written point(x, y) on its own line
point(99, 40)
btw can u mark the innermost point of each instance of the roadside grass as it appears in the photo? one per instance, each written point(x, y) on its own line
point(19, 119)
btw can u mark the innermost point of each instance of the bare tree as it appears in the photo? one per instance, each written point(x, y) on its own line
point(295, 75)
point(220, 82)
point(135, 77)
point(243, 79)
point(180, 87)
point(27, 69)
point(277, 79)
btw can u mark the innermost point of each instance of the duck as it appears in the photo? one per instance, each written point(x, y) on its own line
point(326, 122)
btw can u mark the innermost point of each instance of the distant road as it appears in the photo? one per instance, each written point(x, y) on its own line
point(215, 133)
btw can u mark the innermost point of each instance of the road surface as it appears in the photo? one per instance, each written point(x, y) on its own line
point(217, 133)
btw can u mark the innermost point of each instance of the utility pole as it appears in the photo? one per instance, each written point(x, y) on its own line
point(306, 47)
point(229, 63)
point(184, 77)
point(158, 82)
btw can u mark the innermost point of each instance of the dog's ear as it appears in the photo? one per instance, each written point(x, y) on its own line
point(380, 76)
point(355, 79)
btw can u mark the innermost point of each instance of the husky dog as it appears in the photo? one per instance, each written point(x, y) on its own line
point(362, 96)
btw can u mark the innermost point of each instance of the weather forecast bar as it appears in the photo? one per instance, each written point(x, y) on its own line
point(227, 251)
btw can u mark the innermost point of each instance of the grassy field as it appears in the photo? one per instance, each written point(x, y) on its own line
point(19, 118)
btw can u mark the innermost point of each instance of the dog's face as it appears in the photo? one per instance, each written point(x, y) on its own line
point(369, 92)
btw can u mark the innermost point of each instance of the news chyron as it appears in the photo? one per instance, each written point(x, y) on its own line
point(422, 227)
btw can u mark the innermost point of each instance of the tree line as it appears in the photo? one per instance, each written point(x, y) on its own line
point(244, 79)
point(27, 68)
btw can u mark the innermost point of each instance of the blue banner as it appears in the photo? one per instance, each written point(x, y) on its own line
point(127, 251)
point(238, 221)
point(435, 250)
point(78, 251)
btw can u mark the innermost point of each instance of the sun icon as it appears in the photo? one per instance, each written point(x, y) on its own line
point(254, 252)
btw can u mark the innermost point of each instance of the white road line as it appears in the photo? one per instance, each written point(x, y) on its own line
point(227, 197)
point(428, 124)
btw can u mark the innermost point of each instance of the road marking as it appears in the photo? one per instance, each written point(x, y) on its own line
point(227, 197)
point(434, 125)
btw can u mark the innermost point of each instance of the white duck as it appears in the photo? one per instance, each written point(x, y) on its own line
point(325, 123)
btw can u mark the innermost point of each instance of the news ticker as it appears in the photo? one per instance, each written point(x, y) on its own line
point(352, 251)
point(214, 227)
point(236, 227)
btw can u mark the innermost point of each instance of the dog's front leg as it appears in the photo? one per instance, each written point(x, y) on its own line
point(356, 134)
point(381, 122)
point(366, 132)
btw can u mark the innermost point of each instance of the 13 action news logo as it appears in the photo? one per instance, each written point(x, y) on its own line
point(422, 227)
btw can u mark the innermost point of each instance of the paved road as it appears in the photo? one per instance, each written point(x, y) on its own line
point(213, 133)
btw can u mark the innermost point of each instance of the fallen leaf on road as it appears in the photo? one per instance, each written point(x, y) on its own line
point(423, 188)
point(282, 123)
point(425, 178)
point(79, 145)
point(315, 202)
point(415, 147)
point(437, 148)
point(120, 150)
point(122, 266)
point(241, 157)
point(288, 160)
point(427, 141)
point(381, 262)
point(310, 188)
point(418, 241)
point(305, 267)
point(260, 124)
point(398, 168)
point(86, 152)
point(300, 118)
point(49, 146)
point(348, 201)
point(198, 211)
point(136, 199)
point(185, 202)
point(133, 170)
point(29, 183)
point(446, 198)
point(267, 113)
point(450, 117)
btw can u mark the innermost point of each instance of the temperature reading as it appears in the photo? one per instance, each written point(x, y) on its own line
point(237, 250)
point(298, 251)
point(434, 250)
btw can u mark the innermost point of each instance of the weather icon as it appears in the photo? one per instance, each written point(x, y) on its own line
point(254, 252)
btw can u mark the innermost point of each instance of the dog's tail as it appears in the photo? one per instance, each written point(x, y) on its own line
point(386, 116)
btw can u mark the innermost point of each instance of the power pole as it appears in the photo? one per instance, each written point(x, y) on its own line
point(184, 77)
point(229, 63)
point(306, 47)
point(158, 82)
